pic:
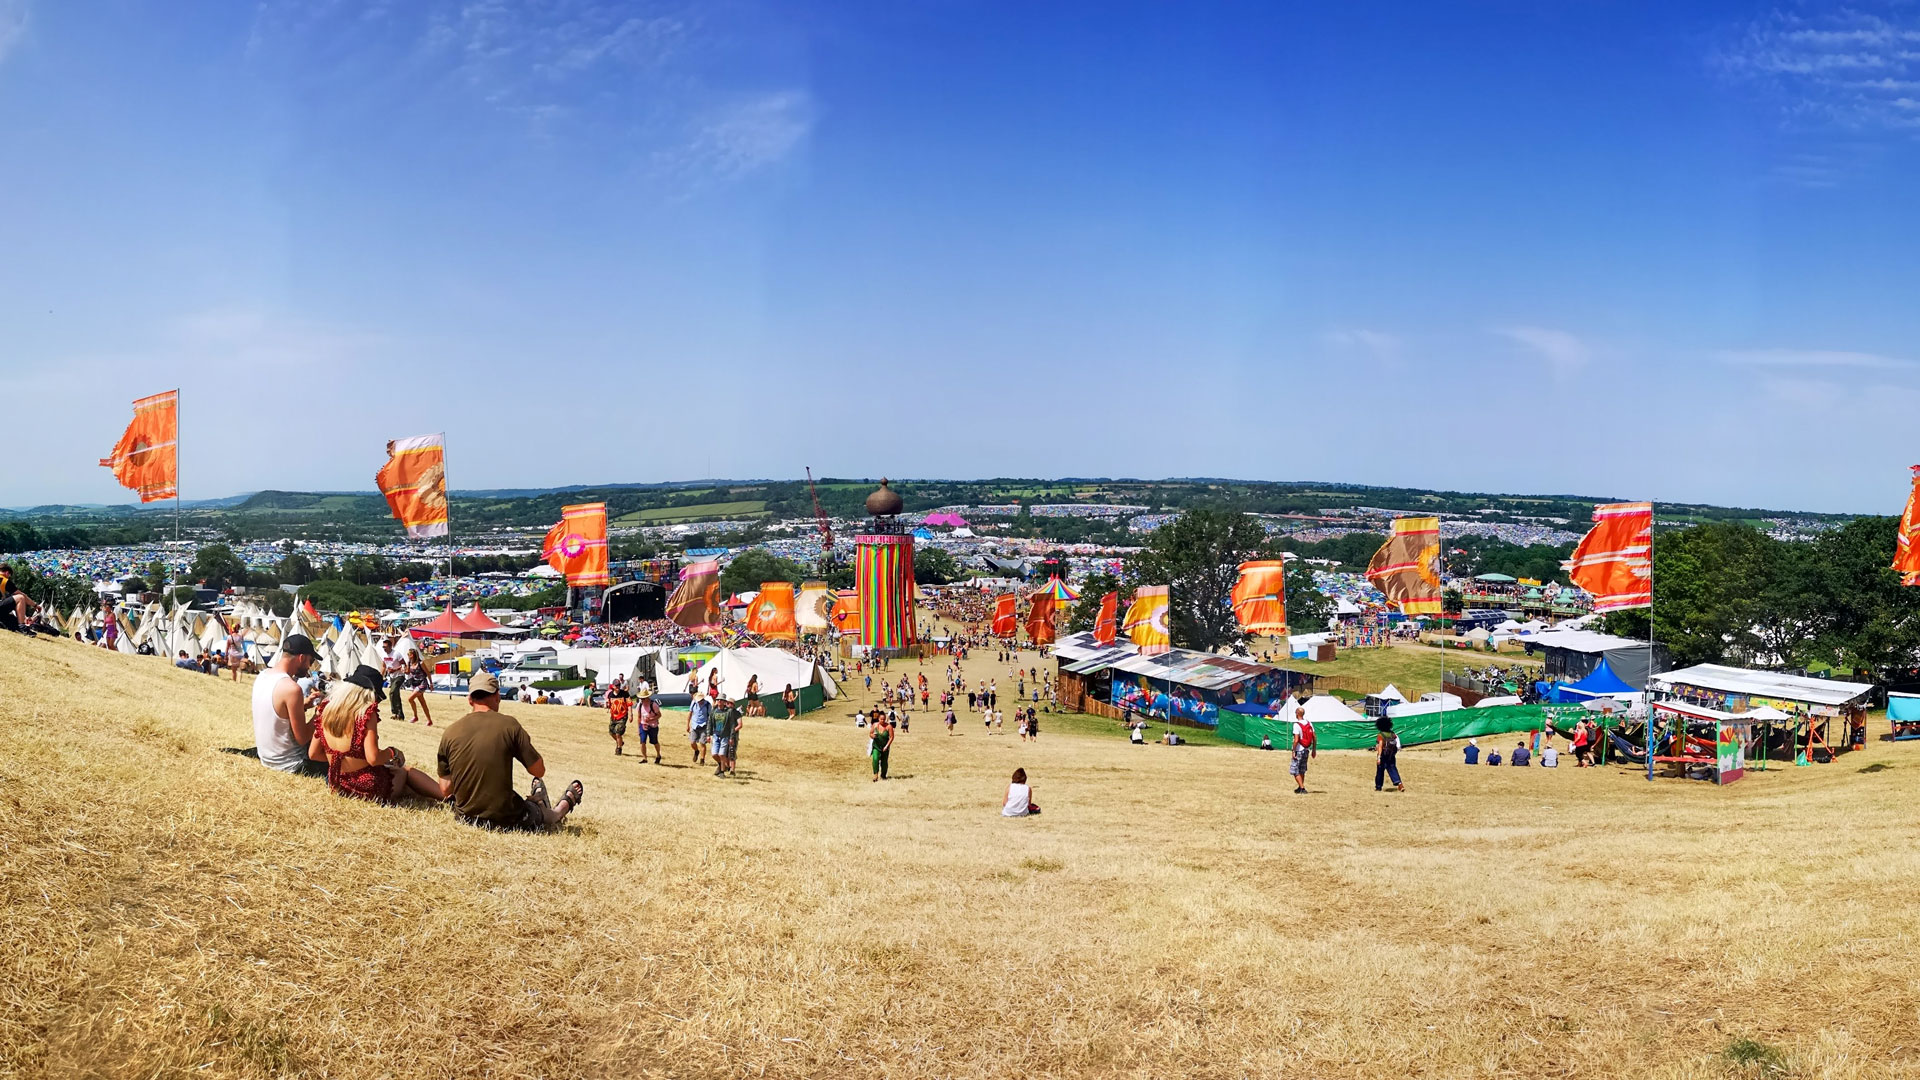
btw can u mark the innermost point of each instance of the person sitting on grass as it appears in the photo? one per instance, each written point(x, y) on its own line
point(1520, 755)
point(1019, 802)
point(280, 728)
point(1493, 756)
point(476, 759)
point(347, 738)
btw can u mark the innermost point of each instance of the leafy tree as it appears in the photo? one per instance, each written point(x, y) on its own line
point(335, 594)
point(157, 575)
point(1865, 618)
point(295, 569)
point(60, 592)
point(1308, 609)
point(1451, 602)
point(217, 567)
point(756, 565)
point(1086, 610)
point(134, 584)
point(1199, 554)
point(936, 566)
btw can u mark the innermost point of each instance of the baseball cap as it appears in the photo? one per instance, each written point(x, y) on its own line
point(298, 645)
point(483, 682)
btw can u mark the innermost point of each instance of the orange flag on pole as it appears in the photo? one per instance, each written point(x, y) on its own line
point(146, 458)
point(1260, 597)
point(1005, 621)
point(772, 613)
point(1040, 608)
point(577, 546)
point(695, 603)
point(1106, 625)
point(1406, 570)
point(1146, 622)
point(1614, 561)
point(414, 480)
point(1906, 542)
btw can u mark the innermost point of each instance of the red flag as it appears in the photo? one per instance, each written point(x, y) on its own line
point(577, 545)
point(1614, 561)
point(1106, 626)
point(1040, 617)
point(1260, 597)
point(1906, 542)
point(146, 457)
point(1004, 620)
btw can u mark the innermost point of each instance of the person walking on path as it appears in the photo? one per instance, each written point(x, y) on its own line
point(1304, 749)
point(723, 728)
point(1386, 750)
point(881, 744)
point(618, 706)
point(647, 711)
point(699, 715)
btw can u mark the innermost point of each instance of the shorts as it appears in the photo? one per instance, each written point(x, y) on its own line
point(616, 727)
point(530, 819)
point(697, 734)
point(649, 735)
point(717, 746)
point(1298, 766)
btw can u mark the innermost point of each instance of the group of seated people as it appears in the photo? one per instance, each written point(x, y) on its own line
point(342, 743)
point(1520, 755)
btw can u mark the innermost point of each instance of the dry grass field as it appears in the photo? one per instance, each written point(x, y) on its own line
point(175, 911)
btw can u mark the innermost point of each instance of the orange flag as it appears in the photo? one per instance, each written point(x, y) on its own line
point(1906, 542)
point(1614, 561)
point(1005, 622)
point(846, 611)
point(1260, 597)
point(1405, 570)
point(1040, 617)
point(695, 603)
point(146, 457)
point(772, 613)
point(1106, 625)
point(577, 546)
point(414, 480)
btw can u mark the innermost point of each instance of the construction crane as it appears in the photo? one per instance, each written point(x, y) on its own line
point(820, 522)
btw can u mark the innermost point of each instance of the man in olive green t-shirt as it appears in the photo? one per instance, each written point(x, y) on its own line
point(476, 759)
point(724, 725)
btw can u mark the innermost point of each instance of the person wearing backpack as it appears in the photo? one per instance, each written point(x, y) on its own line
point(1386, 749)
point(1303, 749)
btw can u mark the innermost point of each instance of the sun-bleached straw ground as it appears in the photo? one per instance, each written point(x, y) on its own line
point(173, 910)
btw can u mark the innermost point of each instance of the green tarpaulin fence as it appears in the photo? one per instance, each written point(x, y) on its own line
point(1413, 730)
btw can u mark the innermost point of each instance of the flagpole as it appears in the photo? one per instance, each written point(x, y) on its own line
point(1647, 690)
point(1441, 573)
point(448, 491)
point(176, 465)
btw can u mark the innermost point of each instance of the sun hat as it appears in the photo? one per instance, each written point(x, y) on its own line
point(483, 683)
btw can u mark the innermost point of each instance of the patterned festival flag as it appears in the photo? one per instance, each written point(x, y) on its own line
point(1260, 597)
point(577, 545)
point(1146, 621)
point(414, 480)
point(1906, 542)
point(1040, 609)
point(1405, 568)
point(1106, 625)
point(846, 611)
point(1005, 620)
point(813, 608)
point(771, 615)
point(146, 458)
point(695, 604)
point(1614, 561)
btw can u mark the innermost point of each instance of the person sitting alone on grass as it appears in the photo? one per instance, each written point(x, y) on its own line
point(1019, 801)
point(476, 759)
point(1549, 757)
point(347, 738)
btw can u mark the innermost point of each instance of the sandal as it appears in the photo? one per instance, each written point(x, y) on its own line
point(574, 793)
point(537, 793)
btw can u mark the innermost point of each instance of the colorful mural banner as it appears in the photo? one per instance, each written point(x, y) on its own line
point(813, 609)
point(883, 576)
point(695, 603)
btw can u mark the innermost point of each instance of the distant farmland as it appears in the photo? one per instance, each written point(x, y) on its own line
point(671, 515)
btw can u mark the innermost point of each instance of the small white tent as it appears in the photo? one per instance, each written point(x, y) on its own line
point(777, 669)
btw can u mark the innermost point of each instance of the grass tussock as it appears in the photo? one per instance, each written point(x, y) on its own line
point(171, 910)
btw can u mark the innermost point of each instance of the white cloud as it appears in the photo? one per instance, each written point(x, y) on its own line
point(1836, 69)
point(1562, 351)
point(1821, 358)
point(746, 136)
point(13, 24)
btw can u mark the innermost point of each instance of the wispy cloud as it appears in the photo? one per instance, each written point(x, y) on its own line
point(745, 136)
point(1810, 358)
point(1563, 352)
point(1843, 68)
point(1378, 344)
point(13, 24)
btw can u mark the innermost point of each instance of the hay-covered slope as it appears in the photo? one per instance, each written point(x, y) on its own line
point(172, 910)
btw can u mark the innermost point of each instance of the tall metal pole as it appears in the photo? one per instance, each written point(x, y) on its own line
point(1647, 692)
point(1440, 572)
point(176, 466)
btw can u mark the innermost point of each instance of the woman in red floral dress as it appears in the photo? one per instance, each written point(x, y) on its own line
point(348, 739)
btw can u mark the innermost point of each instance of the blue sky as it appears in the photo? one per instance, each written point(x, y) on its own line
point(1628, 249)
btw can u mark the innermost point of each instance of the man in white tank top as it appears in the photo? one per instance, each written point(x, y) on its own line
point(280, 727)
